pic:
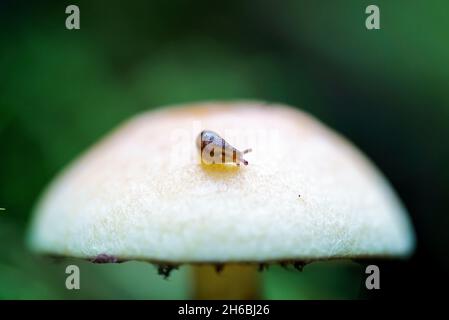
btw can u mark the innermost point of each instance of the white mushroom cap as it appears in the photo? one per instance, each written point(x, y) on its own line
point(141, 193)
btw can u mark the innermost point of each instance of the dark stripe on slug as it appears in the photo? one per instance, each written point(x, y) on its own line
point(223, 151)
point(202, 144)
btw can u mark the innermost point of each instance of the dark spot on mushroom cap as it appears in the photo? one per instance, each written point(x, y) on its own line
point(299, 265)
point(219, 267)
point(165, 270)
point(263, 266)
point(104, 258)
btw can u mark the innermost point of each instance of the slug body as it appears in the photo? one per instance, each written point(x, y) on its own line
point(215, 150)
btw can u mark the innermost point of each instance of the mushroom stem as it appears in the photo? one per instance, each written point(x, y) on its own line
point(232, 282)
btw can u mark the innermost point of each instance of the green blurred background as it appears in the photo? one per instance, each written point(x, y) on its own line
point(387, 90)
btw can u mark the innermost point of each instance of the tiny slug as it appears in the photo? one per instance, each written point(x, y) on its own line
point(215, 150)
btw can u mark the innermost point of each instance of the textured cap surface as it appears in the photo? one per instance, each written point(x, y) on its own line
point(141, 193)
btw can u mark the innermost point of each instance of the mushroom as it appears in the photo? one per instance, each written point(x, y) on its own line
point(141, 194)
